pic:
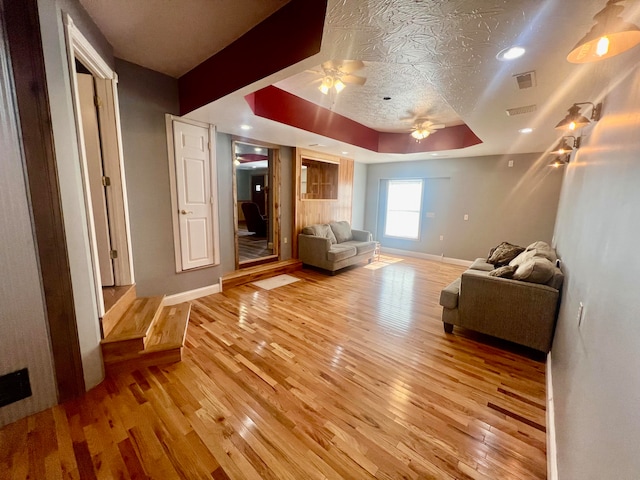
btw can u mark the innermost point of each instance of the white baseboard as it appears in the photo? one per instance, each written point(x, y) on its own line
point(191, 294)
point(427, 256)
point(552, 455)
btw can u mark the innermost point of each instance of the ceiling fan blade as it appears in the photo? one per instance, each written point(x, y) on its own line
point(436, 126)
point(350, 66)
point(354, 79)
point(329, 65)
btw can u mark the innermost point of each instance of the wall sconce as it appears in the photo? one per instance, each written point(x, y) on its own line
point(610, 36)
point(559, 161)
point(564, 148)
point(575, 120)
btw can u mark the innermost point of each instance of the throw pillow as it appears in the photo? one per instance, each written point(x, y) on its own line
point(523, 257)
point(320, 230)
point(543, 249)
point(535, 270)
point(342, 231)
point(503, 272)
point(503, 254)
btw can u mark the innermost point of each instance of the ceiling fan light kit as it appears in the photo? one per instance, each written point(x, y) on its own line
point(337, 73)
point(610, 36)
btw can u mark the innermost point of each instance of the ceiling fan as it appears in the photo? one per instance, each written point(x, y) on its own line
point(422, 129)
point(337, 73)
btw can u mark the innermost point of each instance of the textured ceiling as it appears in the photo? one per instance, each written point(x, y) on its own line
point(434, 58)
point(172, 36)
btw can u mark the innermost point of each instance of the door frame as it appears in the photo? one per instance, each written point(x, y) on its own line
point(175, 217)
point(78, 47)
point(274, 182)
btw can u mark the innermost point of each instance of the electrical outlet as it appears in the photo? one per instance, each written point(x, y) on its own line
point(511, 163)
point(441, 237)
point(466, 216)
point(580, 314)
point(285, 240)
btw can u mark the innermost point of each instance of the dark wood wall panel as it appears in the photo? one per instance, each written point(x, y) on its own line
point(309, 212)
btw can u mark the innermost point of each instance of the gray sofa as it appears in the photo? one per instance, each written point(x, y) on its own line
point(522, 309)
point(334, 246)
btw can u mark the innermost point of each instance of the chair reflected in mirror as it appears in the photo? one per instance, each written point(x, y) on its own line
point(256, 222)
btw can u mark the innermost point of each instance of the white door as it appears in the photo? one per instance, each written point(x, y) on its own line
point(193, 191)
point(93, 152)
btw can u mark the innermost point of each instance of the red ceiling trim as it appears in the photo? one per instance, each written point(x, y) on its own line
point(283, 107)
point(290, 35)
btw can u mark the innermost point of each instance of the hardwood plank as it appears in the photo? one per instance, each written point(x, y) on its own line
point(170, 329)
point(350, 376)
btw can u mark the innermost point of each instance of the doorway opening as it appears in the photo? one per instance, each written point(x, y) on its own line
point(256, 204)
point(95, 94)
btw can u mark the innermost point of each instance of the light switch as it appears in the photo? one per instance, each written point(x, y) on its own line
point(441, 237)
point(466, 216)
point(511, 163)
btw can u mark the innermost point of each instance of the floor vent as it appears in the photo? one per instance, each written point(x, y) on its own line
point(520, 110)
point(14, 386)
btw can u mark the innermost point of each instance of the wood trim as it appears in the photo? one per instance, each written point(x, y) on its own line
point(275, 183)
point(311, 211)
point(27, 58)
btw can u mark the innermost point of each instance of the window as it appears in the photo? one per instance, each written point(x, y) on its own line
point(404, 198)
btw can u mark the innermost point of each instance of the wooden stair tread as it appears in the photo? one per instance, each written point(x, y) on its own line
point(170, 328)
point(136, 320)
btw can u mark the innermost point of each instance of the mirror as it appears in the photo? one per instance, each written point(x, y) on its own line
point(254, 203)
point(319, 180)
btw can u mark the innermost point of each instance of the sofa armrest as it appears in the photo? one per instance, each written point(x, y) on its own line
point(312, 250)
point(514, 310)
point(361, 235)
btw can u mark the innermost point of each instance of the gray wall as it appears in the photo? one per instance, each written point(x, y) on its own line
point(516, 204)
point(145, 97)
point(359, 195)
point(596, 367)
point(24, 339)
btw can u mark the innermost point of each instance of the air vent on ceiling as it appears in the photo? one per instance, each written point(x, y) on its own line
point(526, 80)
point(520, 110)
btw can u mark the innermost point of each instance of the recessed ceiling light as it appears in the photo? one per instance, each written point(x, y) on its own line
point(434, 154)
point(345, 153)
point(526, 130)
point(246, 127)
point(511, 53)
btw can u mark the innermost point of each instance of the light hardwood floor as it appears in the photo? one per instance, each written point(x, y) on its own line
point(350, 376)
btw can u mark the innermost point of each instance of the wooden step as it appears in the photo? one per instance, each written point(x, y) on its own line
point(116, 301)
point(253, 274)
point(127, 337)
point(162, 344)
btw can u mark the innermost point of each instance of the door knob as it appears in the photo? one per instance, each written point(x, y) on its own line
point(185, 212)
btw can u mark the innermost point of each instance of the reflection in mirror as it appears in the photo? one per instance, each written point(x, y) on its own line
point(318, 180)
point(253, 167)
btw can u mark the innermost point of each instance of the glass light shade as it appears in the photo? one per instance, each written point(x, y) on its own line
point(338, 85)
point(420, 134)
point(562, 148)
point(573, 120)
point(558, 162)
point(610, 36)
